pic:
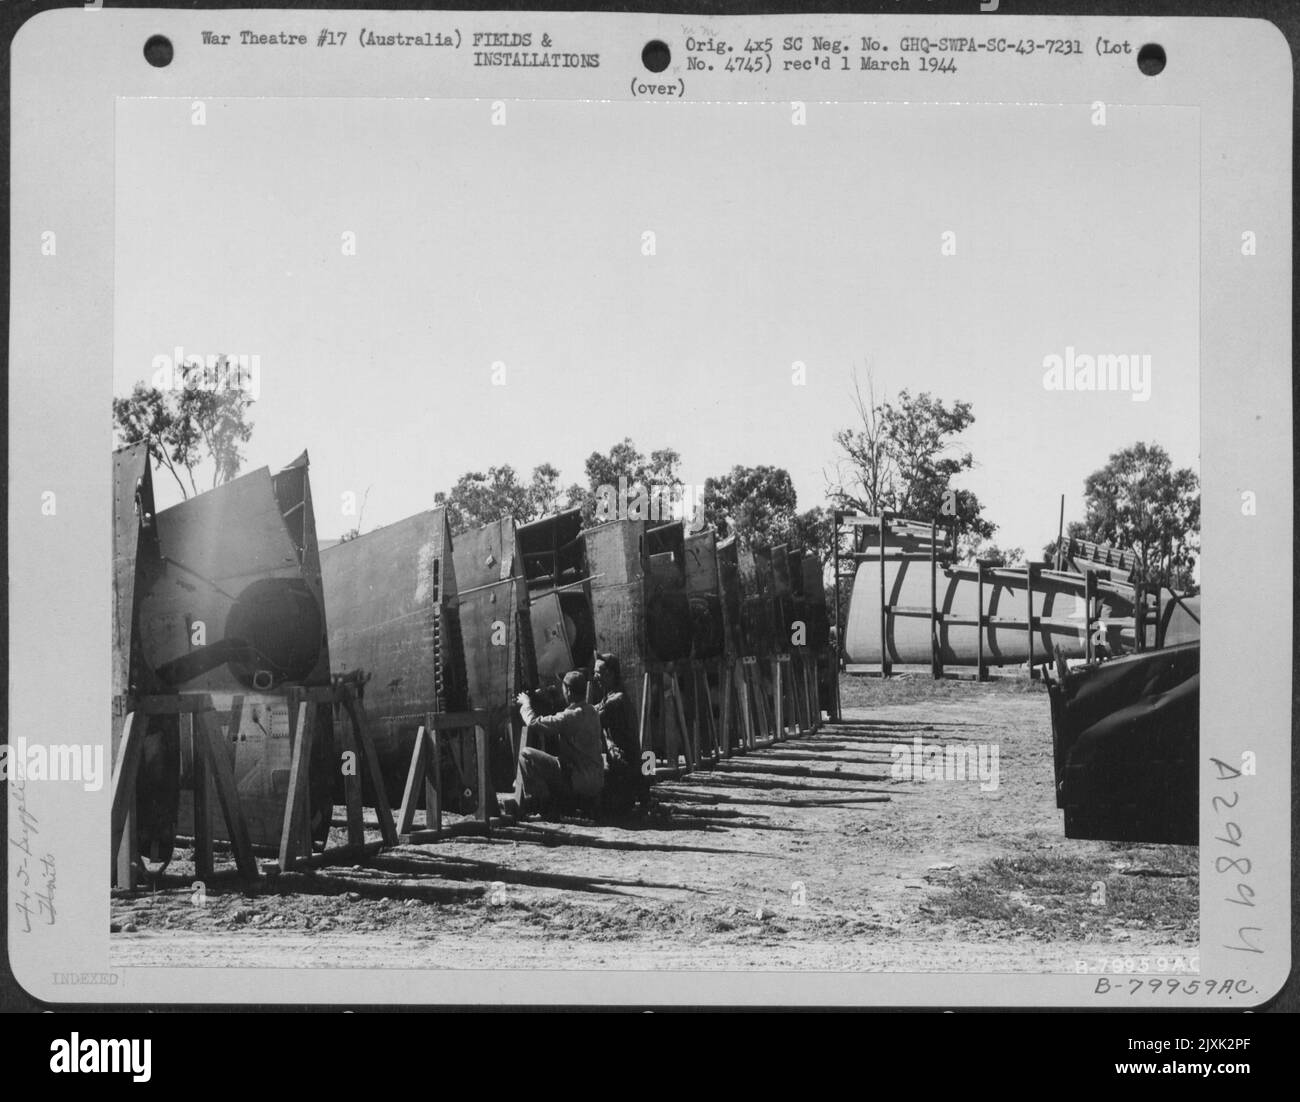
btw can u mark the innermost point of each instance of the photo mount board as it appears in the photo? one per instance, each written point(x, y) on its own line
point(72, 72)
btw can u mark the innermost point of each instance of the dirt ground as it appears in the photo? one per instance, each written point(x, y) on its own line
point(802, 855)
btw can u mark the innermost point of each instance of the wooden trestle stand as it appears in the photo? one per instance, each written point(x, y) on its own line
point(425, 774)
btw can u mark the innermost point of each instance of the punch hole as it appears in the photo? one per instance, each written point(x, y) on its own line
point(158, 51)
point(1151, 59)
point(656, 56)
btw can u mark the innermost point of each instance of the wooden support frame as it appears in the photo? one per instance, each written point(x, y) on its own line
point(425, 774)
point(660, 684)
point(726, 715)
point(705, 727)
point(981, 623)
point(1089, 601)
point(758, 717)
point(306, 707)
point(212, 766)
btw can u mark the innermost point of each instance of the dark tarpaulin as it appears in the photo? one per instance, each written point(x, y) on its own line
point(1125, 740)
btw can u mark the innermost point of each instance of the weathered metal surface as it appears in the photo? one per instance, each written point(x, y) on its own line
point(1125, 742)
point(785, 598)
point(704, 594)
point(615, 557)
point(1059, 606)
point(135, 550)
point(1112, 562)
point(814, 592)
point(1058, 601)
point(1180, 619)
point(496, 627)
point(555, 568)
point(669, 636)
point(732, 595)
point(226, 600)
point(757, 609)
point(393, 614)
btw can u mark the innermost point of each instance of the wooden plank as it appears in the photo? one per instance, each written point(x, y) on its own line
point(414, 779)
point(646, 734)
point(122, 817)
point(742, 696)
point(433, 789)
point(982, 673)
point(884, 603)
point(778, 697)
point(725, 688)
point(481, 754)
point(176, 704)
point(697, 718)
point(936, 668)
point(1031, 575)
point(383, 811)
point(1089, 599)
point(715, 744)
point(296, 800)
point(203, 862)
point(459, 721)
point(352, 786)
point(690, 752)
point(207, 740)
point(839, 631)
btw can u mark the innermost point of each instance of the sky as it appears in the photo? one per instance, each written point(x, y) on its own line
point(524, 245)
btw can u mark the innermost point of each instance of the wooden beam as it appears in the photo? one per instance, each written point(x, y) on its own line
point(122, 816)
point(382, 810)
point(982, 673)
point(414, 779)
point(724, 688)
point(1031, 575)
point(884, 603)
point(207, 740)
point(481, 755)
point(352, 797)
point(203, 865)
point(1089, 598)
point(936, 667)
point(433, 787)
point(644, 729)
point(295, 807)
point(742, 695)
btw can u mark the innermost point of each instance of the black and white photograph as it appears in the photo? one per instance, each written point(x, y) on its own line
point(735, 501)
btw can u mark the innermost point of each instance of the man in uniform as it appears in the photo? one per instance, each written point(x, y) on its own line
point(571, 764)
point(624, 783)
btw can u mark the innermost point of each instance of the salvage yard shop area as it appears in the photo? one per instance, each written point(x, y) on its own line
point(807, 854)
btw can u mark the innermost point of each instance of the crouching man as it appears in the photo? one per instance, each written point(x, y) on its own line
point(572, 764)
point(624, 784)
